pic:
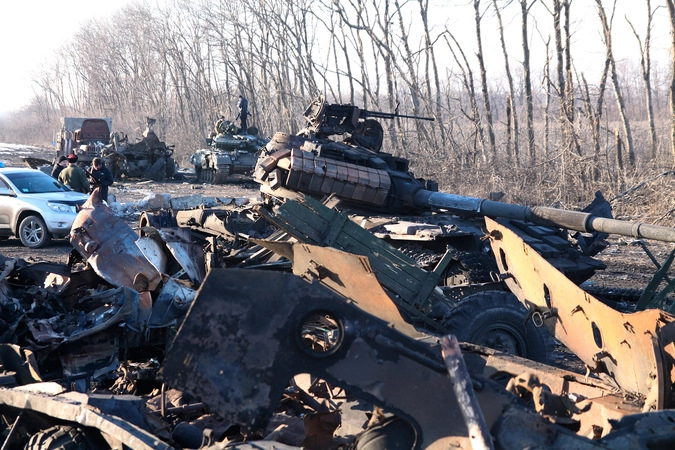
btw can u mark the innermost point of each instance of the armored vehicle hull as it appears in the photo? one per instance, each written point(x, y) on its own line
point(228, 153)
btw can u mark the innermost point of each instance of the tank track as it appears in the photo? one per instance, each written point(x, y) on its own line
point(622, 299)
point(470, 267)
point(214, 175)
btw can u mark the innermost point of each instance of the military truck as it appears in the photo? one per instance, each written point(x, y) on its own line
point(230, 151)
point(84, 136)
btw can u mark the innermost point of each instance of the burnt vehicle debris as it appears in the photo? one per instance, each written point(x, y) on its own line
point(149, 158)
point(229, 151)
point(307, 323)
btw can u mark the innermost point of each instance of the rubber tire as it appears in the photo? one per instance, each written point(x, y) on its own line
point(33, 232)
point(60, 437)
point(496, 319)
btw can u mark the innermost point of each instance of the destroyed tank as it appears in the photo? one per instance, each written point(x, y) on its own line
point(230, 151)
point(149, 158)
point(381, 194)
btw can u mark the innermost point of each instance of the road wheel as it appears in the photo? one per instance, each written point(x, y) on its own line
point(496, 319)
point(33, 232)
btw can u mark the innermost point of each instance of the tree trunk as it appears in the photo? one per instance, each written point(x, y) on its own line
point(645, 66)
point(483, 79)
point(607, 32)
point(671, 14)
point(512, 113)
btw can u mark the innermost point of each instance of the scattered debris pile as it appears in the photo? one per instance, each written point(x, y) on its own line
point(246, 363)
point(290, 325)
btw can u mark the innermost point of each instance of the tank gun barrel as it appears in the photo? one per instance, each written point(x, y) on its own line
point(542, 215)
point(365, 114)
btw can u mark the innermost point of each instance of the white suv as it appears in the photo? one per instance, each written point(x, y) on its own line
point(34, 206)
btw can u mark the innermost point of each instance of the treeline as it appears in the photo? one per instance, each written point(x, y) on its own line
point(538, 128)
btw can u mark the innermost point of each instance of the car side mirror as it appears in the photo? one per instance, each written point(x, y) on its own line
point(7, 192)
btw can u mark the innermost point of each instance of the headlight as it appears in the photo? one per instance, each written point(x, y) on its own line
point(60, 207)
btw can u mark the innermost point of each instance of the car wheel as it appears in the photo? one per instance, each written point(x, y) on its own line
point(33, 232)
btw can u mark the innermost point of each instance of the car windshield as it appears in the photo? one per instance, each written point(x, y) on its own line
point(35, 182)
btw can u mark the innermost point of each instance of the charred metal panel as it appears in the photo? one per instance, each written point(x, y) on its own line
point(249, 332)
point(627, 348)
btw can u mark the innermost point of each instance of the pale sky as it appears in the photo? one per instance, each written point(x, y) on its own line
point(31, 30)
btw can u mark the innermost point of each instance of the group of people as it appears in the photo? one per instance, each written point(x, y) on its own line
point(69, 173)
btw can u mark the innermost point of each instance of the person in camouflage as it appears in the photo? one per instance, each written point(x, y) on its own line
point(74, 176)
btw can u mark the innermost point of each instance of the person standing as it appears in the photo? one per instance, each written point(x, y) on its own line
point(101, 177)
point(243, 113)
point(61, 164)
point(74, 176)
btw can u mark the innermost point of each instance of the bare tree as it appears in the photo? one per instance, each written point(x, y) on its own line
point(607, 35)
point(565, 89)
point(430, 58)
point(483, 79)
point(524, 13)
point(473, 115)
point(671, 13)
point(512, 113)
point(645, 66)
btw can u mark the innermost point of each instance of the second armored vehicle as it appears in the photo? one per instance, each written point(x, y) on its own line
point(229, 152)
point(83, 136)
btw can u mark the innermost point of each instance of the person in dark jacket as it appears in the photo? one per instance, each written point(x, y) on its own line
point(243, 113)
point(61, 164)
point(101, 177)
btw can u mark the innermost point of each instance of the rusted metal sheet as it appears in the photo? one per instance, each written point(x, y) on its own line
point(594, 402)
point(108, 244)
point(350, 275)
point(628, 349)
point(311, 222)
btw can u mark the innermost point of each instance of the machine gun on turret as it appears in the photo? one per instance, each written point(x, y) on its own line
point(324, 120)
